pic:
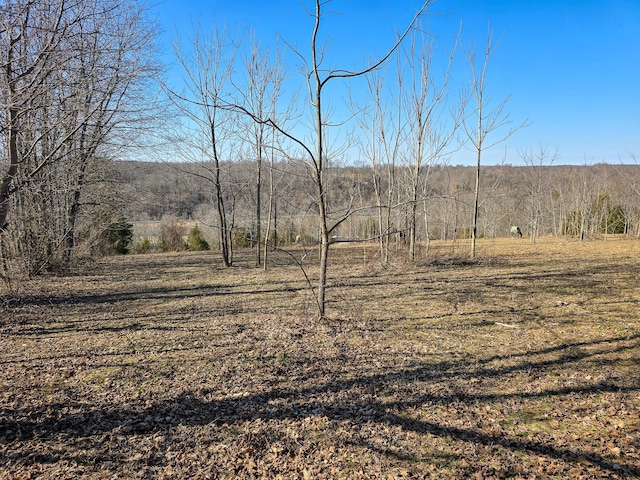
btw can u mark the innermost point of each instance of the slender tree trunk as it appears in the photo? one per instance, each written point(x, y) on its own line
point(414, 191)
point(270, 215)
point(224, 233)
point(70, 234)
point(387, 222)
point(267, 230)
point(324, 257)
point(382, 234)
point(85, 152)
point(426, 228)
point(5, 187)
point(476, 196)
point(324, 242)
point(12, 144)
point(258, 204)
point(319, 173)
point(412, 224)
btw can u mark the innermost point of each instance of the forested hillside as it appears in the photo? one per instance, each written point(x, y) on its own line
point(584, 201)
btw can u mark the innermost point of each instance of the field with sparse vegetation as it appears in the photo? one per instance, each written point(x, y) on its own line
point(521, 363)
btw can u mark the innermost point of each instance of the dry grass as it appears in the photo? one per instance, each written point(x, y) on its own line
point(521, 364)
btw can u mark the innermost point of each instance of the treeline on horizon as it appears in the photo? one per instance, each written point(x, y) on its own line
point(583, 201)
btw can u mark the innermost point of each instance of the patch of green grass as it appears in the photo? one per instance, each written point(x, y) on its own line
point(100, 376)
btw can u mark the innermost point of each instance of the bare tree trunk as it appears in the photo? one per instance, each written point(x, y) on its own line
point(224, 231)
point(5, 187)
point(319, 176)
point(426, 228)
point(270, 215)
point(413, 207)
point(486, 123)
point(476, 194)
point(387, 218)
point(258, 207)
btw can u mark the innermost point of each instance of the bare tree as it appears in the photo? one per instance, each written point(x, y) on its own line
point(212, 130)
point(386, 128)
point(276, 170)
point(382, 126)
point(69, 84)
point(430, 133)
point(318, 79)
point(484, 120)
point(316, 154)
point(260, 92)
point(536, 163)
point(276, 175)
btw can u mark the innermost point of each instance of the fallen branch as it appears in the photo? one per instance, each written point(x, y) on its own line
point(506, 325)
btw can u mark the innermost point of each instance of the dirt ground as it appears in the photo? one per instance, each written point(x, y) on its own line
point(523, 363)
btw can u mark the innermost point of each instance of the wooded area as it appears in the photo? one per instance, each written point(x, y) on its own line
point(76, 88)
point(586, 202)
point(77, 102)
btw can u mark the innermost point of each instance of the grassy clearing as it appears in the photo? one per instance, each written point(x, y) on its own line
point(522, 364)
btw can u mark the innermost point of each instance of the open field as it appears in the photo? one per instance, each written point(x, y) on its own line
point(522, 364)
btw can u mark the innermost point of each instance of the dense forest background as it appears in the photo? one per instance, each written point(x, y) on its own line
point(581, 201)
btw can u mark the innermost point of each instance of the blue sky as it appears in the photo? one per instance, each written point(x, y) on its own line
point(572, 68)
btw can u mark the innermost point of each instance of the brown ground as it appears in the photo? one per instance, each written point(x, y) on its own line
point(522, 364)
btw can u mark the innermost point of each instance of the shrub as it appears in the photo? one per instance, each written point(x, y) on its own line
point(572, 226)
point(612, 218)
point(172, 237)
point(369, 228)
point(196, 241)
point(615, 220)
point(143, 245)
point(464, 233)
point(119, 235)
point(242, 238)
point(287, 235)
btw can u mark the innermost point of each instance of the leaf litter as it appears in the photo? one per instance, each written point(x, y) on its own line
point(169, 366)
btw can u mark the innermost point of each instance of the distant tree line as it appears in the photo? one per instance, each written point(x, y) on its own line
point(585, 202)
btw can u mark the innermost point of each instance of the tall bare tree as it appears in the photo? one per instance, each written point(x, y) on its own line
point(484, 120)
point(71, 75)
point(211, 134)
point(260, 92)
point(276, 170)
point(319, 78)
point(315, 152)
point(383, 123)
point(430, 131)
point(538, 178)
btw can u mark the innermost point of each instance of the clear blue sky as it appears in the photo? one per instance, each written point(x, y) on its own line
point(572, 67)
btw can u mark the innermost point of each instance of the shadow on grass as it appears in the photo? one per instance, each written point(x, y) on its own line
point(81, 421)
point(198, 409)
point(160, 293)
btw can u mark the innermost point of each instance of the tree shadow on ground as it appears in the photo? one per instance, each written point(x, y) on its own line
point(150, 293)
point(201, 407)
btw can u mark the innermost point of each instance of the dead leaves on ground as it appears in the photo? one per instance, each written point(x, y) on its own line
point(171, 370)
